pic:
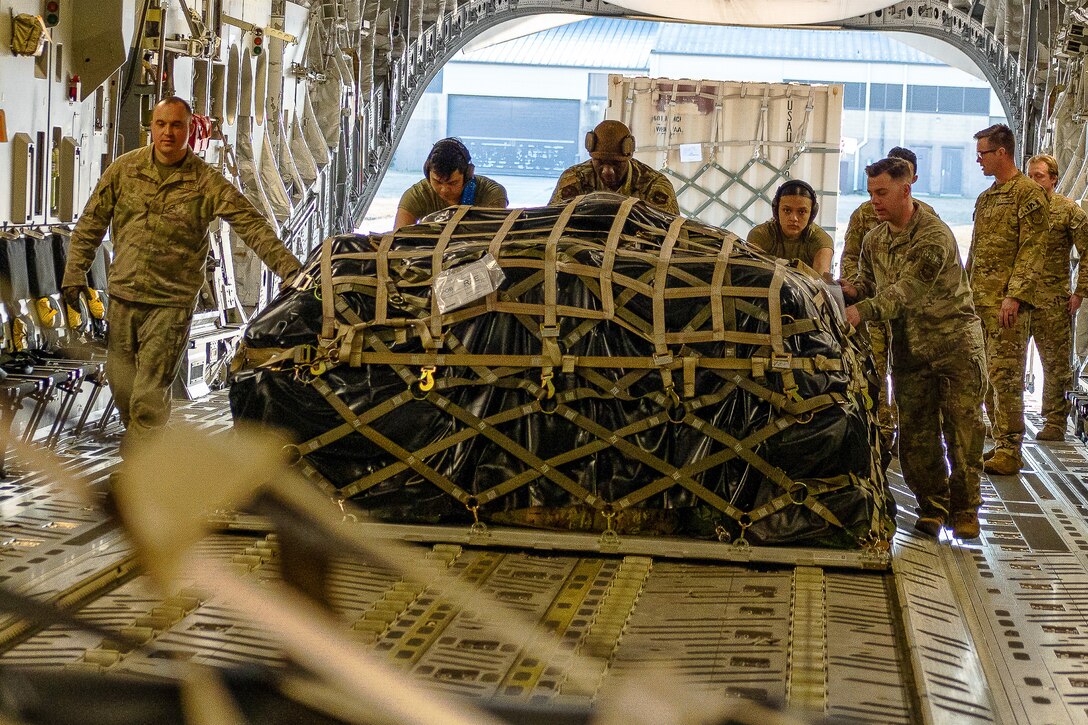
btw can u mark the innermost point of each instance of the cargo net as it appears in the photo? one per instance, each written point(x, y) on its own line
point(599, 366)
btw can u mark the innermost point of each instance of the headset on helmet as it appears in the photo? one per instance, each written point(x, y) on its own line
point(447, 145)
point(625, 141)
point(791, 188)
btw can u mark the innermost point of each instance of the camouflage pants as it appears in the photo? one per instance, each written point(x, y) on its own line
point(1006, 355)
point(144, 348)
point(940, 414)
point(1052, 327)
point(886, 416)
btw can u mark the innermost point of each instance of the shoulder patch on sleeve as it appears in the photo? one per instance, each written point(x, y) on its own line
point(1029, 207)
point(569, 191)
point(930, 263)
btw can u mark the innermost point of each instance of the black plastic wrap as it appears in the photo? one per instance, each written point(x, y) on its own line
point(830, 449)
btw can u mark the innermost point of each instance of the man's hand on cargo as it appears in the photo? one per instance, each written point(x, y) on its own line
point(849, 291)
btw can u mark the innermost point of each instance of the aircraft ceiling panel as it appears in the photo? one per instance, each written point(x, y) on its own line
point(754, 12)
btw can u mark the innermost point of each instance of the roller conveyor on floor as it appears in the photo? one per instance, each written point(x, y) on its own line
point(988, 631)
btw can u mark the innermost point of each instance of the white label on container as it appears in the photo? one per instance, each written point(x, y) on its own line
point(460, 285)
point(691, 152)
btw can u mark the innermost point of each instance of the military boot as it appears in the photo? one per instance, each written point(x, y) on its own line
point(1051, 432)
point(965, 525)
point(1003, 463)
point(929, 524)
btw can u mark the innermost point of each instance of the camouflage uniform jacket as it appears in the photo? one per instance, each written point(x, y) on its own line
point(1008, 242)
point(915, 280)
point(863, 221)
point(642, 182)
point(160, 229)
point(1068, 229)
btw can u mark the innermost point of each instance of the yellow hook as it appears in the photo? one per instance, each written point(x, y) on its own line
point(547, 385)
point(426, 378)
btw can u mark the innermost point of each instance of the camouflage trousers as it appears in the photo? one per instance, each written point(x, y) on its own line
point(886, 413)
point(1006, 356)
point(144, 346)
point(1052, 327)
point(941, 431)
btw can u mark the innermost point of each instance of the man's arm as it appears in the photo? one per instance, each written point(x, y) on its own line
point(916, 278)
point(663, 196)
point(404, 218)
point(1033, 224)
point(91, 229)
point(252, 227)
point(851, 250)
point(565, 189)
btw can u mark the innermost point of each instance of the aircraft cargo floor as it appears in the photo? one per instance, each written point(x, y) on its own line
point(994, 630)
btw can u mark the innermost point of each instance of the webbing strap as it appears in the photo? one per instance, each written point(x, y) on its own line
point(661, 280)
point(717, 280)
point(551, 251)
point(774, 306)
point(662, 357)
point(494, 247)
point(581, 361)
point(381, 294)
point(608, 302)
point(328, 319)
point(436, 268)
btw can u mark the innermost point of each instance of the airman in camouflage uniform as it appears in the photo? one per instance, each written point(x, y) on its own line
point(1052, 319)
point(862, 221)
point(611, 167)
point(160, 200)
point(1010, 234)
point(792, 232)
point(911, 276)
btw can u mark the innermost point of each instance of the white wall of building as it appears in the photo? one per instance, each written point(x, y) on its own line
point(943, 140)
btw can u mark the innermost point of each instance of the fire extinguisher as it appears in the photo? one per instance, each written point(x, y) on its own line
point(73, 89)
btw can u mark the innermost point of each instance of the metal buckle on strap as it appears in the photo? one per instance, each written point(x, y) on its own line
point(781, 360)
point(305, 354)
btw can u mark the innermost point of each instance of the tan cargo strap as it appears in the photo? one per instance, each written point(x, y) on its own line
point(359, 357)
point(606, 293)
point(328, 297)
point(436, 268)
point(662, 357)
point(381, 294)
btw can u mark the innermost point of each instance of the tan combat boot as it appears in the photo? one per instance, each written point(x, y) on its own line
point(1051, 432)
point(1003, 463)
point(965, 525)
point(929, 524)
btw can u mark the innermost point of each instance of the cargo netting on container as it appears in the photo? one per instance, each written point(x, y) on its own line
point(624, 371)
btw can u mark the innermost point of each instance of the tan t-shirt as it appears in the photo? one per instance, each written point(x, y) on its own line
point(420, 199)
point(768, 237)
